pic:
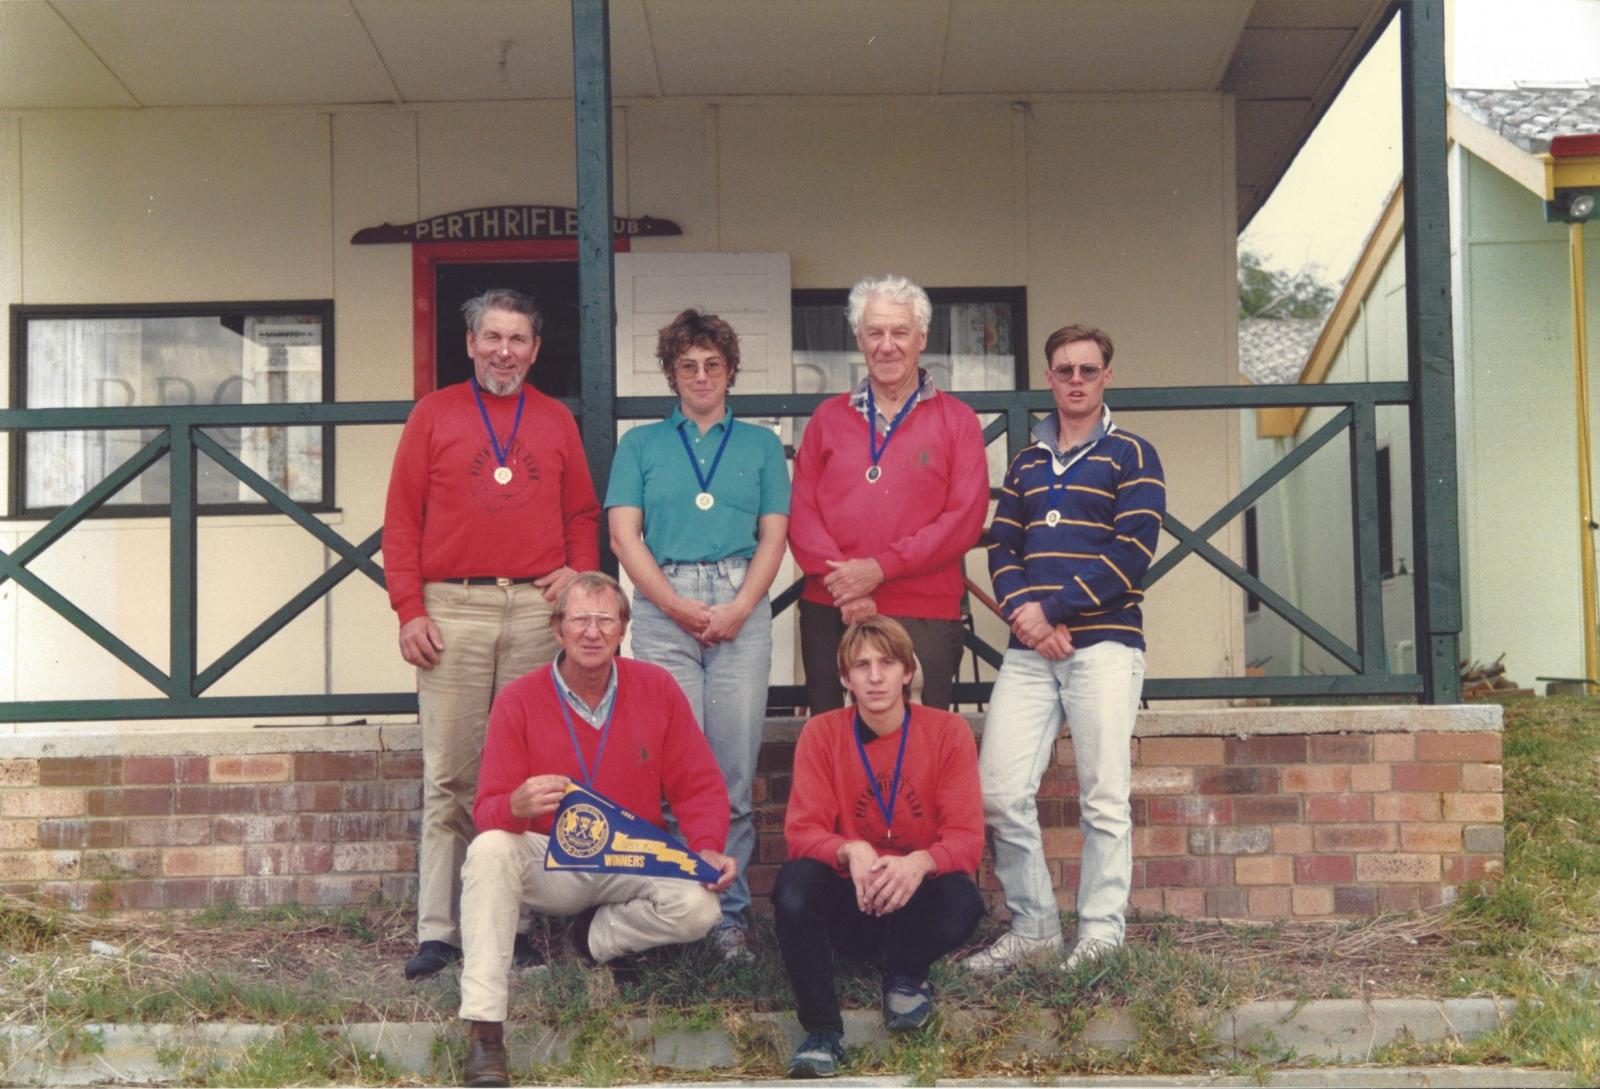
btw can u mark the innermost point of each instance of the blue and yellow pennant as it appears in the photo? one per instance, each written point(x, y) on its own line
point(595, 835)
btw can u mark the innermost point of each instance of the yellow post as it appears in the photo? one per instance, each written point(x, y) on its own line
point(1580, 363)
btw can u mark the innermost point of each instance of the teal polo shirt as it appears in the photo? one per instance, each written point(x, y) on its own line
point(651, 471)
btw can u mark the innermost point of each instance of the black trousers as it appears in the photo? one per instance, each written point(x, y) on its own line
point(816, 915)
point(937, 644)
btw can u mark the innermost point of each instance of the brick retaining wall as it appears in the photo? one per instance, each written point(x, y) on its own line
point(184, 831)
point(1262, 813)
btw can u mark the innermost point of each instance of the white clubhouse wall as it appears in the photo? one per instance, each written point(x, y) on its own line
point(1519, 450)
point(1516, 437)
point(1303, 525)
point(1115, 210)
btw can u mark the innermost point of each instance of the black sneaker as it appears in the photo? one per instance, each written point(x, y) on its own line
point(820, 1055)
point(907, 1003)
point(431, 958)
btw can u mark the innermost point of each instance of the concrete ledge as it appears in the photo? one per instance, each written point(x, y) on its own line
point(1328, 1077)
point(148, 739)
point(1334, 719)
point(1330, 1030)
point(1349, 1030)
point(99, 739)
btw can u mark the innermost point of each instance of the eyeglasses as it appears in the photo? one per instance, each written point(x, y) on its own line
point(1089, 371)
point(713, 368)
point(579, 622)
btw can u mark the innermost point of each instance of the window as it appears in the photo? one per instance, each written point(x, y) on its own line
point(178, 354)
point(1385, 515)
point(977, 340)
point(1252, 559)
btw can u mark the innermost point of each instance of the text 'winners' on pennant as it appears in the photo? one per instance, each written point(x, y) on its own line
point(598, 836)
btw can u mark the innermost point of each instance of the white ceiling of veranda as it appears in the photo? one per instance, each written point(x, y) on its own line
point(1282, 59)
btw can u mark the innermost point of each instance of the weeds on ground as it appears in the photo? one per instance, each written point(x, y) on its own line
point(27, 928)
point(1546, 910)
point(1535, 935)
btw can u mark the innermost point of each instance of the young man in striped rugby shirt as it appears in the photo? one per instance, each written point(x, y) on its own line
point(1073, 534)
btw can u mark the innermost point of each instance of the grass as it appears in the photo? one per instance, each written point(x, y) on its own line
point(301, 1056)
point(1533, 936)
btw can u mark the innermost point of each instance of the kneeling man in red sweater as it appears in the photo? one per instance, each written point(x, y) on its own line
point(622, 728)
point(884, 829)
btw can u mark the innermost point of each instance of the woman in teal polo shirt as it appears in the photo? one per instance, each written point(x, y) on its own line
point(699, 511)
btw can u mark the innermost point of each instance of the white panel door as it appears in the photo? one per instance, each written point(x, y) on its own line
point(750, 291)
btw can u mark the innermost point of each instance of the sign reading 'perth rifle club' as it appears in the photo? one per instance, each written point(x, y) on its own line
point(507, 223)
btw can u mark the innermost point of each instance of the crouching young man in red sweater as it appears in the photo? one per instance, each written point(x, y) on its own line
point(624, 729)
point(884, 828)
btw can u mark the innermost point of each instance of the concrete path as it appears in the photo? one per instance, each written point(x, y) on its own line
point(1264, 1034)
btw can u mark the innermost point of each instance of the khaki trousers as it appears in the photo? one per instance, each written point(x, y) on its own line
point(492, 635)
point(505, 875)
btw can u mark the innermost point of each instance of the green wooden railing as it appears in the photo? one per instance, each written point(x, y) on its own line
point(1357, 404)
point(181, 436)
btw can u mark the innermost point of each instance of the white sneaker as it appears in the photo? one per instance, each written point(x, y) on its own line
point(1087, 951)
point(733, 942)
point(1010, 949)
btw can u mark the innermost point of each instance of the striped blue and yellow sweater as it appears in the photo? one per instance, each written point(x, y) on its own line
point(1085, 567)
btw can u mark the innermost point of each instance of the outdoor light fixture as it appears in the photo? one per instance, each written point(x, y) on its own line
point(1571, 206)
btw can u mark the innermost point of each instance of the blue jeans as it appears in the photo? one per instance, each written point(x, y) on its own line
point(1096, 692)
point(727, 689)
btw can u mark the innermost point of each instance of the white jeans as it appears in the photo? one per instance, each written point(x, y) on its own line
point(1096, 692)
point(505, 873)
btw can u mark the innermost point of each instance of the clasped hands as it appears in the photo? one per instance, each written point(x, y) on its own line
point(1052, 641)
point(884, 883)
point(710, 624)
point(540, 795)
point(851, 583)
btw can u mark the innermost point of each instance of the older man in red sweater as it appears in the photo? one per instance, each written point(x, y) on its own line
point(884, 827)
point(890, 491)
point(624, 729)
point(490, 512)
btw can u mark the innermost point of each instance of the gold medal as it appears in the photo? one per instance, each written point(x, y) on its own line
point(502, 475)
point(873, 474)
point(703, 498)
point(1052, 518)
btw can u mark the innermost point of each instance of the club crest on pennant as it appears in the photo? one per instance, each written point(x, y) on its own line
point(582, 830)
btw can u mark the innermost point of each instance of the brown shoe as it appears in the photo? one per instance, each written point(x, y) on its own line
point(486, 1055)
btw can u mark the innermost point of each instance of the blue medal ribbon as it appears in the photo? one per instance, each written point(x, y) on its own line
point(705, 478)
point(887, 809)
point(572, 735)
point(500, 454)
point(872, 428)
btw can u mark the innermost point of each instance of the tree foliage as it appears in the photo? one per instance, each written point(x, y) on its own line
point(1272, 293)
